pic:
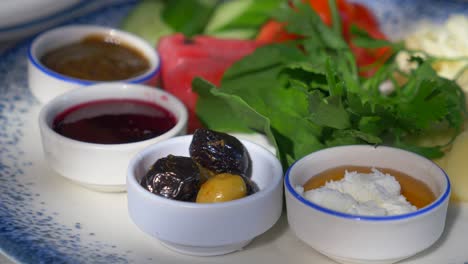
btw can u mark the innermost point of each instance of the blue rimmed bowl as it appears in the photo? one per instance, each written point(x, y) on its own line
point(102, 167)
point(350, 238)
point(205, 229)
point(46, 84)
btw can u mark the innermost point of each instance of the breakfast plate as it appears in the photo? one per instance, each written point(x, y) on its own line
point(45, 218)
point(23, 17)
point(25, 11)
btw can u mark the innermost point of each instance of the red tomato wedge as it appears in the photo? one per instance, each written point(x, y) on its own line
point(183, 59)
point(273, 31)
point(350, 13)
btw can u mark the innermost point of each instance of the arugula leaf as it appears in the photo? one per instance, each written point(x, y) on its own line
point(304, 74)
point(336, 19)
point(371, 125)
point(196, 14)
point(207, 101)
point(304, 21)
point(361, 38)
point(252, 83)
point(327, 112)
point(349, 137)
point(429, 152)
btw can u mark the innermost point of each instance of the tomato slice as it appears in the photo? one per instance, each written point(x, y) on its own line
point(364, 18)
point(274, 32)
point(350, 13)
point(183, 59)
point(323, 9)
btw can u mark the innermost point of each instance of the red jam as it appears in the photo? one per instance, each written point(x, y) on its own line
point(114, 121)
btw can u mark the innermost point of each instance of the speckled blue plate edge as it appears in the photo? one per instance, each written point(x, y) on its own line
point(27, 234)
point(33, 236)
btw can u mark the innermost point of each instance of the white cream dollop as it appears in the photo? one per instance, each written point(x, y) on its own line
point(370, 194)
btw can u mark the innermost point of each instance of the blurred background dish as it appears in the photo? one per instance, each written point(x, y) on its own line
point(24, 17)
point(23, 12)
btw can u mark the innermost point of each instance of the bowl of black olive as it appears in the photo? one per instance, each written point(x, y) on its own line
point(205, 194)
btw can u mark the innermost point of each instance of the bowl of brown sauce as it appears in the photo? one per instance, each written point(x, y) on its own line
point(367, 204)
point(72, 56)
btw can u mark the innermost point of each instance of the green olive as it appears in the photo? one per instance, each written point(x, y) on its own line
point(221, 188)
point(205, 173)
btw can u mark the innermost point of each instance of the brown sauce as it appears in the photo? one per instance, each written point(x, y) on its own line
point(415, 191)
point(96, 58)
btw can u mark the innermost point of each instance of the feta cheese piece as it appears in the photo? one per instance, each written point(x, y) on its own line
point(448, 40)
point(371, 194)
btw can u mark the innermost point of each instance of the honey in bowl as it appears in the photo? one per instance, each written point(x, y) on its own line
point(114, 121)
point(415, 191)
point(97, 58)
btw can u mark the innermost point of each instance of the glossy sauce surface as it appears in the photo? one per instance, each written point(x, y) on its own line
point(114, 121)
point(415, 191)
point(96, 58)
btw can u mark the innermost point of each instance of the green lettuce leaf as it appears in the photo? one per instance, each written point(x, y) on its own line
point(307, 95)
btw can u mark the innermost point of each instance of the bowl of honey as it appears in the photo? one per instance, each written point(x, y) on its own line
point(68, 57)
point(367, 204)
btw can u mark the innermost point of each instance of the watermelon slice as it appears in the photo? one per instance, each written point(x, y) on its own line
point(183, 59)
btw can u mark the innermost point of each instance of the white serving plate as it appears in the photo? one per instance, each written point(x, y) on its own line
point(46, 219)
point(20, 18)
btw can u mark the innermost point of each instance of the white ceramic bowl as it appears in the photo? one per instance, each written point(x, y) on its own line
point(205, 229)
point(101, 166)
point(364, 239)
point(46, 84)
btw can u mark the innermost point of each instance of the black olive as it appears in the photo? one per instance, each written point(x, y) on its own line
point(252, 187)
point(173, 177)
point(218, 152)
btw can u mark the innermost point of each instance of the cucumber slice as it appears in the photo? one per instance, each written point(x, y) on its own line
point(238, 33)
point(241, 18)
point(146, 21)
point(226, 13)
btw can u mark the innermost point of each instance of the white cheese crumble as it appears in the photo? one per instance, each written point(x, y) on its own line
point(449, 40)
point(367, 194)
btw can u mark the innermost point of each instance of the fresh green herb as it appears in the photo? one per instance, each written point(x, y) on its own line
point(188, 16)
point(240, 18)
point(309, 98)
point(335, 16)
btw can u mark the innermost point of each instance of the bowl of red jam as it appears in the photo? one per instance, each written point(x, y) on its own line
point(89, 135)
point(73, 56)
